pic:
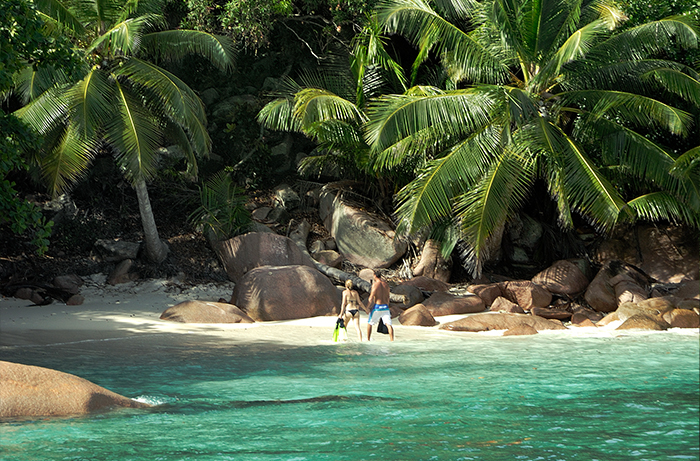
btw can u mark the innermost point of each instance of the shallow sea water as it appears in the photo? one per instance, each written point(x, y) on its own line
point(544, 397)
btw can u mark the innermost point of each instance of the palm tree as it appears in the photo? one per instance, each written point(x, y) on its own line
point(538, 90)
point(121, 101)
point(328, 106)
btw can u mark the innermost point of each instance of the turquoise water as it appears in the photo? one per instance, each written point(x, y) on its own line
point(489, 398)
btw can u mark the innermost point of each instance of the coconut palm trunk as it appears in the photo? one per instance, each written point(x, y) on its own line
point(156, 249)
point(120, 99)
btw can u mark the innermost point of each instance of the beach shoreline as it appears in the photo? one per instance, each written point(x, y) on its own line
point(134, 309)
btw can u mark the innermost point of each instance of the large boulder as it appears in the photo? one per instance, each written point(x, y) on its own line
point(526, 294)
point(654, 307)
point(669, 254)
point(551, 313)
point(285, 292)
point(35, 391)
point(417, 315)
point(411, 294)
point(682, 318)
point(644, 322)
point(488, 292)
point(205, 312)
point(489, 321)
point(432, 264)
point(563, 277)
point(615, 283)
point(520, 330)
point(441, 303)
point(426, 283)
point(364, 239)
point(501, 304)
point(254, 249)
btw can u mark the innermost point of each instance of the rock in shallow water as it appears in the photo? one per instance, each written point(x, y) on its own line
point(35, 391)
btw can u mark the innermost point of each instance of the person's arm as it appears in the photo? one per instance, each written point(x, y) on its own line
point(359, 301)
point(343, 303)
point(371, 301)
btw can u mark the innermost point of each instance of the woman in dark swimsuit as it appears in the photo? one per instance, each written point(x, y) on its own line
point(350, 308)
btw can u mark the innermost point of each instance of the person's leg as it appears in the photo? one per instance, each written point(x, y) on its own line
point(391, 332)
point(369, 330)
point(356, 321)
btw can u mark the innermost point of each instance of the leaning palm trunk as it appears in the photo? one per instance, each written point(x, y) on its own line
point(156, 250)
point(127, 105)
point(299, 237)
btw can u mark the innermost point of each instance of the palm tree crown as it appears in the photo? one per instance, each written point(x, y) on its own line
point(538, 90)
point(121, 100)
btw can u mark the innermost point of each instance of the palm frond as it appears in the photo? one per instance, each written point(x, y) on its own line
point(428, 198)
point(174, 45)
point(335, 134)
point(677, 82)
point(279, 115)
point(67, 161)
point(90, 103)
point(312, 105)
point(123, 38)
point(177, 100)
point(586, 189)
point(47, 110)
point(134, 135)
point(487, 205)
point(649, 39)
point(29, 84)
point(56, 12)
point(661, 206)
point(418, 22)
point(222, 211)
point(575, 47)
point(639, 110)
point(395, 117)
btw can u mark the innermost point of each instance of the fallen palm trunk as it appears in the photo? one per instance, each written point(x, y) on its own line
point(299, 236)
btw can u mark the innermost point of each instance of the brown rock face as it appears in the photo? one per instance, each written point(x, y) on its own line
point(648, 308)
point(580, 320)
point(520, 330)
point(205, 312)
point(550, 313)
point(432, 264)
point(682, 318)
point(254, 249)
point(526, 294)
point(501, 304)
point(284, 293)
point(417, 315)
point(562, 277)
point(412, 295)
point(485, 322)
point(441, 303)
point(614, 284)
point(644, 322)
point(35, 391)
point(427, 284)
point(487, 292)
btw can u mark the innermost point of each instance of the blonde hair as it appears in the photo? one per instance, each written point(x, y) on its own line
point(348, 284)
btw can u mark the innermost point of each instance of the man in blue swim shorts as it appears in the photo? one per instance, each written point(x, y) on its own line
point(379, 301)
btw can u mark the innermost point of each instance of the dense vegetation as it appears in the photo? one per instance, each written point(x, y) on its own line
point(470, 110)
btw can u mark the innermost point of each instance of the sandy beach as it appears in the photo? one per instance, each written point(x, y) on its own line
point(111, 312)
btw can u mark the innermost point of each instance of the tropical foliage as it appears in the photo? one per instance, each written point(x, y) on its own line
point(123, 101)
point(539, 90)
point(328, 106)
point(222, 213)
point(23, 40)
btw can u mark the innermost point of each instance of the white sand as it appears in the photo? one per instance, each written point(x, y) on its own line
point(134, 309)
